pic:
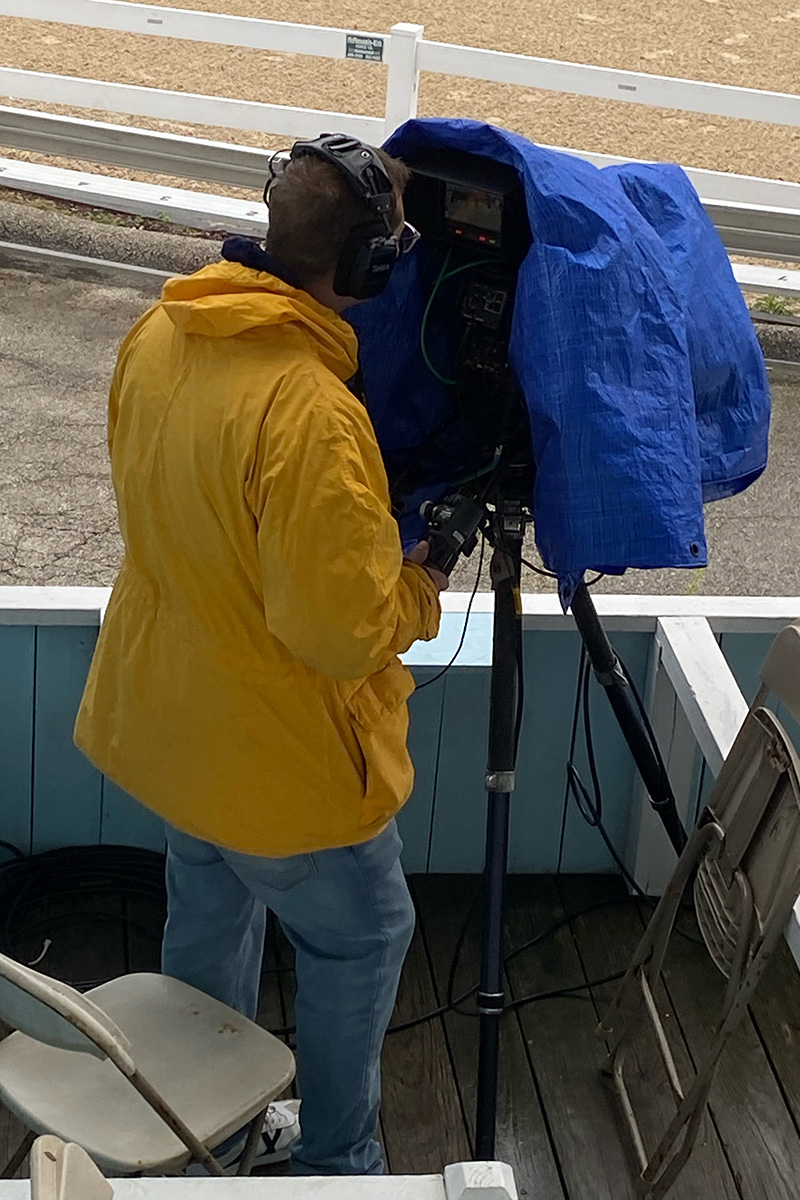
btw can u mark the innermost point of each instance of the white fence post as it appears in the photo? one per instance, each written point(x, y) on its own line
point(403, 82)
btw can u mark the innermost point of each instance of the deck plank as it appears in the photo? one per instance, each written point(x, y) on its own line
point(606, 945)
point(565, 1054)
point(776, 1014)
point(557, 1122)
point(523, 1140)
point(423, 1122)
point(760, 1138)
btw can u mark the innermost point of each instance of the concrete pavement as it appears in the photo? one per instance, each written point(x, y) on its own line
point(59, 337)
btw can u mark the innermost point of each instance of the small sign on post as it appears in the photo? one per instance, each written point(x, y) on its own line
point(369, 49)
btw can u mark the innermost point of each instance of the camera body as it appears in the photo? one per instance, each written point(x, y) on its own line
point(472, 215)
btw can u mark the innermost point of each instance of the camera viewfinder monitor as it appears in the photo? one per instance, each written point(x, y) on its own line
point(467, 201)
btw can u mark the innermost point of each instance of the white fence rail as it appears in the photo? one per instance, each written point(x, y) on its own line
point(187, 107)
point(407, 53)
point(757, 217)
point(605, 83)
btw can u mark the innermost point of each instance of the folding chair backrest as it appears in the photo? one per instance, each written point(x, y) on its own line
point(754, 873)
point(780, 671)
point(58, 1015)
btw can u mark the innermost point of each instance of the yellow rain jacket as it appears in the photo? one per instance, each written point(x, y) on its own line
point(245, 683)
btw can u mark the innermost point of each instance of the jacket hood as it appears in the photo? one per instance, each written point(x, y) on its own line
point(226, 299)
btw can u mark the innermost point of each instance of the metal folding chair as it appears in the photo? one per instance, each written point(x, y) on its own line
point(743, 861)
point(144, 1073)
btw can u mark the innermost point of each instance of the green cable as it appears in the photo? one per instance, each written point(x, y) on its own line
point(444, 275)
point(440, 280)
point(483, 470)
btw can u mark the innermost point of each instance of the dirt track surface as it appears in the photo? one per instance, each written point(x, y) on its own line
point(721, 41)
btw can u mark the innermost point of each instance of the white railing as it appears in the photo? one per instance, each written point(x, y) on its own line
point(404, 49)
point(397, 49)
point(759, 217)
point(694, 702)
point(186, 107)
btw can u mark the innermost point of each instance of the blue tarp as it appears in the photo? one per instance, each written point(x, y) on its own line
point(632, 344)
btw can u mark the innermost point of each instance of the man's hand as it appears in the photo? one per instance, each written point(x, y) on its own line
point(418, 554)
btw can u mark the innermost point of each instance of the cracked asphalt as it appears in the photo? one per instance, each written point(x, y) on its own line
point(59, 336)
point(58, 343)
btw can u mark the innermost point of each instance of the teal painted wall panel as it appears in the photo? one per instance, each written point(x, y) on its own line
point(459, 817)
point(126, 822)
point(537, 810)
point(425, 721)
point(66, 787)
point(443, 825)
point(745, 654)
point(584, 848)
point(17, 662)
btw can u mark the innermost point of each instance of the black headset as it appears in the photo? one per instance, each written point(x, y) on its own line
point(370, 250)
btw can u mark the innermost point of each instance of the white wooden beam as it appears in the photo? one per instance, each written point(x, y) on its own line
point(704, 685)
point(631, 613)
point(770, 280)
point(402, 85)
point(52, 605)
point(187, 24)
point(188, 107)
point(364, 1187)
point(196, 210)
point(154, 151)
point(631, 87)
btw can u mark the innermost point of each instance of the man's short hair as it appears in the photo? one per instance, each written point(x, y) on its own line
point(312, 209)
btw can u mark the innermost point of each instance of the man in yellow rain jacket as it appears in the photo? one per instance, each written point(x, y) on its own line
point(246, 684)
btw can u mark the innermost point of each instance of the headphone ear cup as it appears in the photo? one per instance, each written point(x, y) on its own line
point(365, 263)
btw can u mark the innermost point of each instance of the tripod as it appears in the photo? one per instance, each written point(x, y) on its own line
point(506, 530)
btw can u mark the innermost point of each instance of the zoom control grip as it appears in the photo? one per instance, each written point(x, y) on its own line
point(454, 523)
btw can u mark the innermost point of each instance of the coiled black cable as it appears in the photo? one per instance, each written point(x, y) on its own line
point(78, 875)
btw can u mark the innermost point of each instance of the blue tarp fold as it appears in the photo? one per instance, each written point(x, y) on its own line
point(632, 344)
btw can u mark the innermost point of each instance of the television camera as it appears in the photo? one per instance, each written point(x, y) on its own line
point(473, 219)
point(471, 212)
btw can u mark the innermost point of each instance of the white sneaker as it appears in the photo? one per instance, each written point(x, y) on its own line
point(279, 1133)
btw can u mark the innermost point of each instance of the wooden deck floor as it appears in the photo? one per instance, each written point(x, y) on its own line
point(557, 1122)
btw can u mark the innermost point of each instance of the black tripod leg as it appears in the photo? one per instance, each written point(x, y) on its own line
point(608, 671)
point(500, 785)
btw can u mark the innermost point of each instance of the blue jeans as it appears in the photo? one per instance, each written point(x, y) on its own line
point(350, 918)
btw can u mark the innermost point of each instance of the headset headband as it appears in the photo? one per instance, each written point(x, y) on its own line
point(372, 248)
point(360, 166)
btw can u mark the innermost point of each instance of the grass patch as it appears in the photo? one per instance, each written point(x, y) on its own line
point(780, 306)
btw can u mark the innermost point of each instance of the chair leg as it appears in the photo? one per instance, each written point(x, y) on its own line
point(19, 1156)
point(198, 1151)
point(251, 1145)
point(625, 1013)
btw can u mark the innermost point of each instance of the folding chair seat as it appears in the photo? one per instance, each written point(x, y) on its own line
point(145, 1073)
